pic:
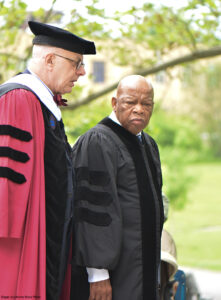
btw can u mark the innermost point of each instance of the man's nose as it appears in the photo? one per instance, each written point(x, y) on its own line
point(138, 108)
point(81, 71)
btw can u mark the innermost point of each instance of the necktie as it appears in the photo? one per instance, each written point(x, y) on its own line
point(59, 101)
point(139, 137)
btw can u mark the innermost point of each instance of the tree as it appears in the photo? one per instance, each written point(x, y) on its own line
point(153, 29)
point(195, 55)
point(202, 100)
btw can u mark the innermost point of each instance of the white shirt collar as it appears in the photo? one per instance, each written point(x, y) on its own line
point(114, 118)
point(41, 81)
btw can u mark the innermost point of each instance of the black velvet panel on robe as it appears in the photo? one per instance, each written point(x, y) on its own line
point(58, 178)
point(148, 214)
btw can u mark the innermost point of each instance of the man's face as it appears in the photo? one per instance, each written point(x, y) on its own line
point(65, 72)
point(133, 106)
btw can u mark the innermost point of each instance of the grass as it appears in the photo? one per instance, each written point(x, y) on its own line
point(197, 228)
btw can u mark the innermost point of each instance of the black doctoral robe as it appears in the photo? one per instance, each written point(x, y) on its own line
point(118, 211)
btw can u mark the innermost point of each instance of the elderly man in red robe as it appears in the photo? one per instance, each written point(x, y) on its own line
point(36, 177)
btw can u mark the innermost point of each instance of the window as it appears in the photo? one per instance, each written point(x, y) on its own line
point(98, 71)
point(161, 77)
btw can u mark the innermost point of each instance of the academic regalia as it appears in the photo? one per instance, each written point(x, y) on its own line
point(118, 211)
point(36, 194)
point(36, 181)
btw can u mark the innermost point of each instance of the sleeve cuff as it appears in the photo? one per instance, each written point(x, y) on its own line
point(95, 275)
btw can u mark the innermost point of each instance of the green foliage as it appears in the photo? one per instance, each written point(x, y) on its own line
point(91, 24)
point(196, 229)
point(13, 14)
point(175, 130)
point(162, 29)
point(180, 144)
point(202, 96)
point(79, 121)
point(14, 17)
point(177, 181)
point(155, 27)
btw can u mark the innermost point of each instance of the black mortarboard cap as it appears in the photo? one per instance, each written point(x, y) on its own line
point(54, 36)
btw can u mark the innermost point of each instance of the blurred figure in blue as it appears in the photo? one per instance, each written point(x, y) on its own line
point(169, 267)
point(175, 284)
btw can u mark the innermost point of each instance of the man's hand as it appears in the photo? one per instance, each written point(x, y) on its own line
point(174, 289)
point(100, 290)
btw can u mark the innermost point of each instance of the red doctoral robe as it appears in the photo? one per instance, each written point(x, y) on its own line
point(22, 195)
point(22, 204)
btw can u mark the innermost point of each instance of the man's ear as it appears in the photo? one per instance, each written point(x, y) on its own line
point(50, 61)
point(114, 103)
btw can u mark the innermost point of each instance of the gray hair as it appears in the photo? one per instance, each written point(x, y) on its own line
point(38, 53)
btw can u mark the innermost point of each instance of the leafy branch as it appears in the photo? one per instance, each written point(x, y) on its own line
point(195, 55)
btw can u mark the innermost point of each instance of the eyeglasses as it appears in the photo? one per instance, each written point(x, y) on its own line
point(78, 64)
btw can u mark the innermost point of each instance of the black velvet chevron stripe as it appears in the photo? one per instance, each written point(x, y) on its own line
point(12, 175)
point(94, 197)
point(93, 177)
point(14, 154)
point(92, 217)
point(15, 132)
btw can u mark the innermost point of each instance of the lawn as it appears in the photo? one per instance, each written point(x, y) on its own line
point(197, 228)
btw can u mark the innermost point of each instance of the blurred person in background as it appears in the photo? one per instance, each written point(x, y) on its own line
point(169, 267)
point(175, 284)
